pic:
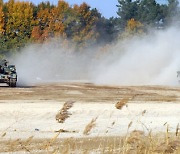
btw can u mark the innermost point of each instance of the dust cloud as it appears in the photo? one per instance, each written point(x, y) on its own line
point(50, 62)
point(153, 59)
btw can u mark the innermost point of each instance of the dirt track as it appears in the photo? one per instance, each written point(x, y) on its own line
point(90, 93)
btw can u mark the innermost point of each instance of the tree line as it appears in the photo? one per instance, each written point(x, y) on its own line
point(22, 23)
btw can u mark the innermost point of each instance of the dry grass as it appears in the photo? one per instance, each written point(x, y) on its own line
point(119, 105)
point(90, 126)
point(63, 114)
point(135, 142)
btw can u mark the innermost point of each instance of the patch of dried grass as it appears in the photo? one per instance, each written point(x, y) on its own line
point(171, 147)
point(135, 142)
point(51, 142)
point(63, 114)
point(119, 105)
point(3, 135)
point(90, 126)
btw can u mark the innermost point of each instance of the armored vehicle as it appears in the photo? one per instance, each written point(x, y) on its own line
point(8, 73)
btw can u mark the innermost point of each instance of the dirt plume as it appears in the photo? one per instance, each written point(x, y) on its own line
point(148, 60)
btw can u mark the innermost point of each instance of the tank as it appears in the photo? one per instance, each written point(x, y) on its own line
point(8, 73)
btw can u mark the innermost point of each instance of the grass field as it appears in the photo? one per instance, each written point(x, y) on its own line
point(85, 118)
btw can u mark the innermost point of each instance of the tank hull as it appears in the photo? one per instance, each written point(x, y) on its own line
point(8, 73)
point(9, 79)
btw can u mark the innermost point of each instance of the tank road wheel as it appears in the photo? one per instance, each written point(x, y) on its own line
point(12, 82)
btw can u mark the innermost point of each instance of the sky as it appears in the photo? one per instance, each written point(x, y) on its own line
point(107, 8)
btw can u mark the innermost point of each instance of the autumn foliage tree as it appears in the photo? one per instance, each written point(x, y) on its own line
point(133, 28)
point(40, 28)
point(19, 22)
point(85, 25)
point(22, 22)
point(50, 21)
point(2, 22)
point(36, 34)
point(58, 16)
point(2, 28)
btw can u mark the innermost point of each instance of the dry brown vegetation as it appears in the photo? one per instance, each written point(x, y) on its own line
point(63, 114)
point(135, 142)
point(90, 126)
point(119, 105)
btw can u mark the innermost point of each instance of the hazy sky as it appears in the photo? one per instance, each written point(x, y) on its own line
point(106, 7)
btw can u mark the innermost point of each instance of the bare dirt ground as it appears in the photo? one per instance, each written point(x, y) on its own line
point(28, 114)
point(87, 92)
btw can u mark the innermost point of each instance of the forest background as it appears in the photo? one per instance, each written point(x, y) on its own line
point(23, 23)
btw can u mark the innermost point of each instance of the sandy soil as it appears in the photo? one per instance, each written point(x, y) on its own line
point(31, 111)
point(86, 92)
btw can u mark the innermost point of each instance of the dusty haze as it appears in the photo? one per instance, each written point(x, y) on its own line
point(151, 60)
